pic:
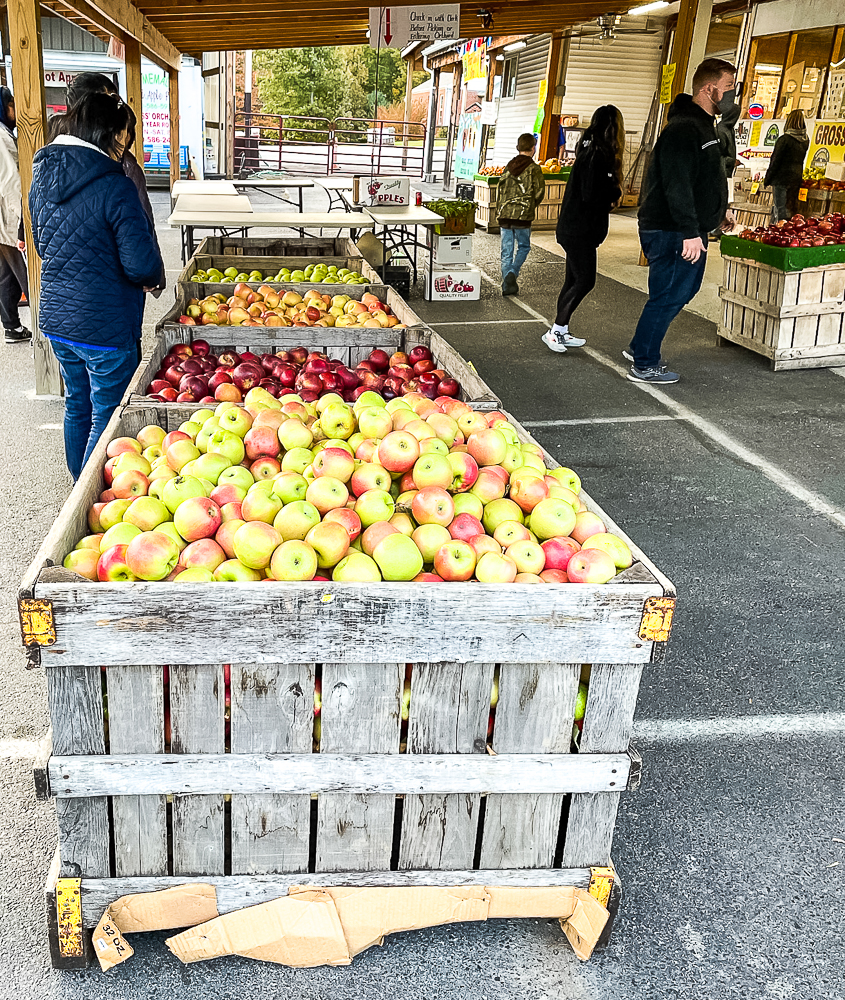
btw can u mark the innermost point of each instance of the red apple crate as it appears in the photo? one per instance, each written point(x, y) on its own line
point(344, 343)
point(167, 791)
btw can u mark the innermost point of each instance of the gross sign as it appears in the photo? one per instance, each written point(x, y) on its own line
point(756, 111)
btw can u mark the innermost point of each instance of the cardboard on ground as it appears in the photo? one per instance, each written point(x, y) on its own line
point(396, 27)
point(330, 925)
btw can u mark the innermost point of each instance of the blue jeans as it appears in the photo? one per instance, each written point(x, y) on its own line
point(672, 283)
point(512, 263)
point(95, 381)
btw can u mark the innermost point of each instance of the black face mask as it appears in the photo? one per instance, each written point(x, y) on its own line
point(726, 102)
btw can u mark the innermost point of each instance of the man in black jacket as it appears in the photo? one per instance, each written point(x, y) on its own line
point(685, 198)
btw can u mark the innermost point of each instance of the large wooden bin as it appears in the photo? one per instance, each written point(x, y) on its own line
point(278, 246)
point(796, 318)
point(271, 266)
point(547, 211)
point(191, 778)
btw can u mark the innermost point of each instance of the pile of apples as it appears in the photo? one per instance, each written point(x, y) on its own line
point(191, 374)
point(411, 489)
point(800, 232)
point(318, 272)
point(268, 306)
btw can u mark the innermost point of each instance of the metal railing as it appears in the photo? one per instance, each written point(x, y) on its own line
point(306, 145)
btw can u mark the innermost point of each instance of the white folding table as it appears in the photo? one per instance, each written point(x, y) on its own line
point(241, 222)
point(339, 191)
point(399, 231)
point(271, 185)
point(202, 187)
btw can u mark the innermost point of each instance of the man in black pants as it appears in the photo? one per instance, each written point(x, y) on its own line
point(685, 199)
point(13, 281)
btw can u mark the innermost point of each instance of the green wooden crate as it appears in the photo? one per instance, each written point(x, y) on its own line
point(783, 258)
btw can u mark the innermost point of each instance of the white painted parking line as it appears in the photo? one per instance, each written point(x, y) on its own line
point(596, 420)
point(838, 371)
point(744, 728)
point(50, 427)
point(484, 322)
point(814, 501)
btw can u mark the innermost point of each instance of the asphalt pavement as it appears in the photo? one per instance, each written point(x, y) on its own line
point(732, 852)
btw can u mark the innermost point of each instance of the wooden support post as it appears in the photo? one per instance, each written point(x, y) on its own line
point(431, 126)
point(550, 130)
point(173, 77)
point(230, 114)
point(488, 96)
point(454, 121)
point(133, 93)
point(698, 41)
point(4, 45)
point(28, 74)
point(409, 87)
point(683, 44)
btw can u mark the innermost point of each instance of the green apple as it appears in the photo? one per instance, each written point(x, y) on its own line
point(296, 519)
point(434, 446)
point(294, 560)
point(196, 574)
point(169, 529)
point(226, 443)
point(236, 475)
point(398, 558)
point(255, 542)
point(367, 399)
point(468, 503)
point(119, 534)
point(552, 518)
point(612, 544)
point(357, 567)
point(501, 510)
point(234, 571)
point(289, 486)
point(297, 460)
point(210, 466)
point(146, 513)
point(374, 505)
point(179, 489)
point(428, 539)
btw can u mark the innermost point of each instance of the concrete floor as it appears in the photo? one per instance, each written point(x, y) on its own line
point(733, 849)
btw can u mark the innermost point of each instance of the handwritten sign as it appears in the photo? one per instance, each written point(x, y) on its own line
point(667, 76)
point(396, 27)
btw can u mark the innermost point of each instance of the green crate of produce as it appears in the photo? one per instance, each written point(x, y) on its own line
point(783, 258)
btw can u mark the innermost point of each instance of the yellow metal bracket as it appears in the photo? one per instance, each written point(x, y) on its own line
point(656, 624)
point(37, 627)
point(601, 882)
point(69, 916)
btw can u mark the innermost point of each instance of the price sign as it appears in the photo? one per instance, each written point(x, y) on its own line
point(755, 187)
point(802, 194)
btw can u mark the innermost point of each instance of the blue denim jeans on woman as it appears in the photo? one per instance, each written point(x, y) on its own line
point(672, 283)
point(512, 263)
point(95, 381)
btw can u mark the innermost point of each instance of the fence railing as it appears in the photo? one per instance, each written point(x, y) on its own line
point(306, 145)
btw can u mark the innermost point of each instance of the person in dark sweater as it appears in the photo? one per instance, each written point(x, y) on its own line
point(593, 189)
point(685, 198)
point(98, 83)
point(98, 256)
point(786, 167)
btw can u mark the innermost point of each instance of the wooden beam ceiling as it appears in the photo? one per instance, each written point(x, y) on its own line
point(197, 26)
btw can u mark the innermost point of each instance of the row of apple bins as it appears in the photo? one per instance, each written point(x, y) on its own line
point(408, 490)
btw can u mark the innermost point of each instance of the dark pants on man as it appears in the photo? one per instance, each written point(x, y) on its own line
point(13, 284)
point(672, 283)
point(95, 381)
point(580, 280)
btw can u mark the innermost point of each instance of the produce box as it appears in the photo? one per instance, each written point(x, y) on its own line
point(451, 249)
point(343, 343)
point(782, 258)
point(452, 284)
point(793, 315)
point(278, 246)
point(270, 266)
point(210, 766)
point(458, 217)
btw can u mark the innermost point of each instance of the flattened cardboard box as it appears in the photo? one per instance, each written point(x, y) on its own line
point(314, 926)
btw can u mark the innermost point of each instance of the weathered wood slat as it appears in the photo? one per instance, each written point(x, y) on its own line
point(75, 702)
point(136, 725)
point(534, 715)
point(450, 705)
point(100, 622)
point(235, 892)
point(608, 724)
point(272, 711)
point(325, 773)
point(197, 705)
point(360, 714)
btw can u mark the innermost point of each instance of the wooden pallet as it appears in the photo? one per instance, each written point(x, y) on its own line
point(254, 803)
point(796, 319)
point(751, 216)
point(342, 343)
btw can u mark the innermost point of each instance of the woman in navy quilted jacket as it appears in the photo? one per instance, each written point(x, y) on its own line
point(99, 255)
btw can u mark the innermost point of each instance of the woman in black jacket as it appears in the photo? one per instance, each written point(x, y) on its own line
point(594, 187)
point(786, 167)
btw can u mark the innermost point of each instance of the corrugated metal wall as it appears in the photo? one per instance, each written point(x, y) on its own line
point(57, 33)
point(623, 73)
point(517, 114)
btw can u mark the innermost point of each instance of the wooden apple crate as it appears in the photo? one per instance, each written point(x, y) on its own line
point(751, 216)
point(268, 264)
point(253, 803)
point(796, 318)
point(485, 206)
point(278, 246)
point(347, 345)
point(547, 211)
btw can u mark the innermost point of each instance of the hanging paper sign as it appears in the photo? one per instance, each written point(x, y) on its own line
point(541, 105)
point(667, 76)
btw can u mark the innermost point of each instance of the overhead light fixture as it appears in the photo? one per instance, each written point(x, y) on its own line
point(486, 18)
point(515, 46)
point(646, 7)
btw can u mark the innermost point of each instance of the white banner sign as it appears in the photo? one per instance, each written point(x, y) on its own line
point(57, 78)
point(397, 27)
point(156, 103)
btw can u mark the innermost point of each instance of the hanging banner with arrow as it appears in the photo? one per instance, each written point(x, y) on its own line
point(396, 27)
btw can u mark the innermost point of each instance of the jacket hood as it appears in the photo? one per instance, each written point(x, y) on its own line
point(63, 169)
point(519, 164)
point(685, 107)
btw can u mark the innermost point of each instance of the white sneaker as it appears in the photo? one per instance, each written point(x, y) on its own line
point(570, 341)
point(551, 341)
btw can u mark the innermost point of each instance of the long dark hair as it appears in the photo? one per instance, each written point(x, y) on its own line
point(99, 119)
point(80, 87)
point(605, 138)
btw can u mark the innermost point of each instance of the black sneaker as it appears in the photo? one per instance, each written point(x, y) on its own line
point(509, 285)
point(18, 336)
point(657, 376)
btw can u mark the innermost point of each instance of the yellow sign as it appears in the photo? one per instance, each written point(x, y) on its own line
point(667, 76)
point(756, 129)
point(827, 144)
point(541, 106)
point(802, 194)
point(755, 187)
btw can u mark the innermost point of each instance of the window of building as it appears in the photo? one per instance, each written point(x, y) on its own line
point(765, 71)
point(806, 71)
point(833, 105)
point(509, 77)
